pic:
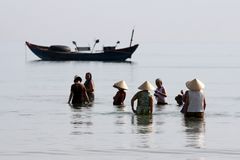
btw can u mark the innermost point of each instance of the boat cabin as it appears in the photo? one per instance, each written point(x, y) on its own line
point(109, 48)
point(81, 49)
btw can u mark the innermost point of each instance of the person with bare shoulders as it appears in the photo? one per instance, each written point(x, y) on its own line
point(89, 85)
point(78, 94)
point(160, 93)
point(144, 99)
point(179, 98)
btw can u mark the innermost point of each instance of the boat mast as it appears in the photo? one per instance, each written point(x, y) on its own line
point(131, 38)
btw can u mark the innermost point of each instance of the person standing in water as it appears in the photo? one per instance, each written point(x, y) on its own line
point(89, 85)
point(144, 99)
point(120, 96)
point(194, 99)
point(78, 94)
point(160, 93)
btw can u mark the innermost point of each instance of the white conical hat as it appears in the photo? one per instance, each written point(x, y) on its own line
point(121, 84)
point(195, 85)
point(146, 86)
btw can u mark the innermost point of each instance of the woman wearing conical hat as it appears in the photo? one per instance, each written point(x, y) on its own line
point(120, 96)
point(194, 99)
point(144, 99)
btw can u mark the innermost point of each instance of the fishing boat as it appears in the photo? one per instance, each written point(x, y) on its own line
point(64, 53)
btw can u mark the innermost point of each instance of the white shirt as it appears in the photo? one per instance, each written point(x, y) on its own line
point(158, 95)
point(196, 101)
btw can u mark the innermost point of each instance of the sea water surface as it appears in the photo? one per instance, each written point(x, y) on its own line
point(37, 123)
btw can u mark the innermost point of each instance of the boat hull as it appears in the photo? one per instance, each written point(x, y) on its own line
point(45, 53)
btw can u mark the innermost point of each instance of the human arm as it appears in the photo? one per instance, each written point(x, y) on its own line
point(132, 103)
point(85, 96)
point(160, 92)
point(70, 97)
point(182, 92)
point(204, 103)
point(91, 87)
point(163, 93)
point(115, 99)
point(184, 96)
point(186, 101)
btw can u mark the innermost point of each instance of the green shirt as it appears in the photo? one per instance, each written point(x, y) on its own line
point(143, 105)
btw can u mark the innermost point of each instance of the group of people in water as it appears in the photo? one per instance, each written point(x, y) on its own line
point(192, 101)
point(81, 93)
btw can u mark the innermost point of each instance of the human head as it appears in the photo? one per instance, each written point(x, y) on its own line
point(77, 78)
point(195, 85)
point(158, 82)
point(122, 85)
point(146, 86)
point(88, 76)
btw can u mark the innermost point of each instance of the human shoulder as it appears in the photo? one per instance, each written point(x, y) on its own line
point(73, 85)
point(82, 86)
point(140, 92)
point(122, 91)
point(136, 95)
point(163, 88)
point(145, 93)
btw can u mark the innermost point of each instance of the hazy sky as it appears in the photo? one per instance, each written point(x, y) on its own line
point(47, 21)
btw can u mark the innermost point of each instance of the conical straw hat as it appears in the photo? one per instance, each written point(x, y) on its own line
point(146, 86)
point(195, 85)
point(121, 84)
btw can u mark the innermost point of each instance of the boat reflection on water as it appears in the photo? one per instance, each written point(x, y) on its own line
point(120, 119)
point(195, 132)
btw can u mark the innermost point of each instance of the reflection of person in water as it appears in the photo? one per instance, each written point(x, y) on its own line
point(81, 121)
point(120, 121)
point(144, 123)
point(195, 131)
point(144, 127)
point(144, 120)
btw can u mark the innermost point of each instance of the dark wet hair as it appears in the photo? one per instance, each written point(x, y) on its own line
point(88, 73)
point(76, 79)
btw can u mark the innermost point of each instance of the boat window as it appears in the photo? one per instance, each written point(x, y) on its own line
point(109, 48)
point(83, 49)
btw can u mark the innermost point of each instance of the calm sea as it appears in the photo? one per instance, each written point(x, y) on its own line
point(37, 123)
